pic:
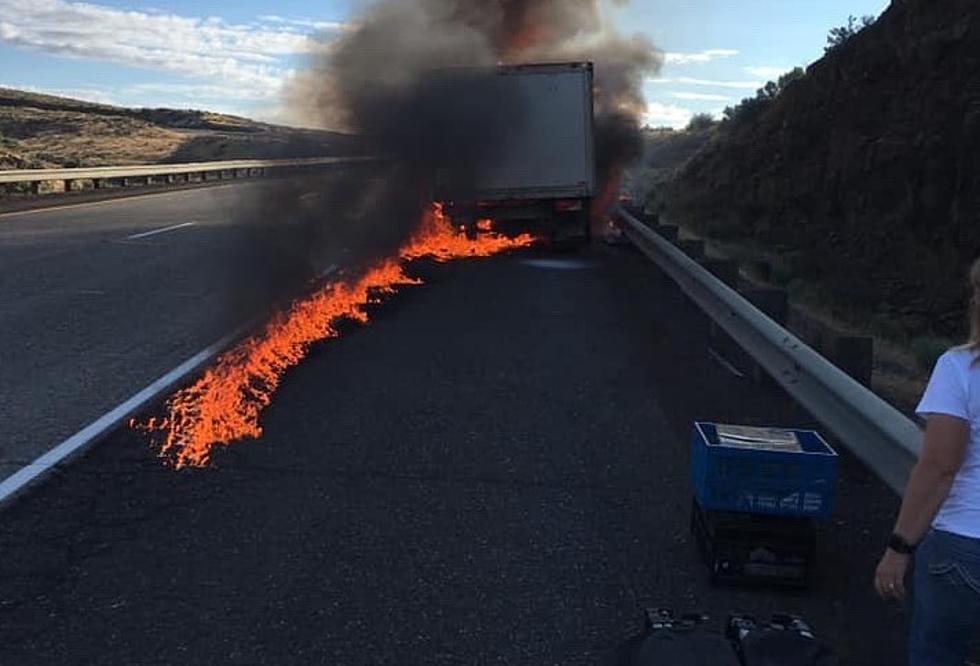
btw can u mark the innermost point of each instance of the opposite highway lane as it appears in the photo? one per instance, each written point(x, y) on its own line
point(493, 470)
point(98, 300)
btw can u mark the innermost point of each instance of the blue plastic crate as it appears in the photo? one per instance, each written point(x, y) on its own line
point(783, 483)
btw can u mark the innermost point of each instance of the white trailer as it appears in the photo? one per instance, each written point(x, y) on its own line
point(540, 172)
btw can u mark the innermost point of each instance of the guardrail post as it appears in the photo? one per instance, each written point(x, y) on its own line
point(633, 209)
point(760, 269)
point(855, 356)
point(725, 270)
point(692, 247)
point(671, 232)
point(67, 185)
point(36, 187)
point(774, 303)
point(720, 344)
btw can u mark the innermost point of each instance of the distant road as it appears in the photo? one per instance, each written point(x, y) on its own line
point(97, 300)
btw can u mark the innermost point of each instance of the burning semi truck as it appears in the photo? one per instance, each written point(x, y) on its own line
point(534, 169)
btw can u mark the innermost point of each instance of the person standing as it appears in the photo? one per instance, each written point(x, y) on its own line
point(940, 516)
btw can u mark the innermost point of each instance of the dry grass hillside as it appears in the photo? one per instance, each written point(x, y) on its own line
point(39, 131)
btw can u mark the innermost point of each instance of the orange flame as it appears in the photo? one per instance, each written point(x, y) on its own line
point(225, 403)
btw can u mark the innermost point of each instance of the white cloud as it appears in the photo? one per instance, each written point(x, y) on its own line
point(700, 57)
point(706, 97)
point(660, 115)
point(767, 73)
point(709, 83)
point(195, 91)
point(307, 24)
point(249, 60)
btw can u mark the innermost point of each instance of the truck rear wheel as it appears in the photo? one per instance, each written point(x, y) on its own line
point(572, 228)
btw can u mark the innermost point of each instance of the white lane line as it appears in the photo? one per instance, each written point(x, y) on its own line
point(725, 363)
point(327, 272)
point(147, 234)
point(102, 426)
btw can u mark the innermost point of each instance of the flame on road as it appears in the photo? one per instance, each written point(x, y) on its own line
point(224, 404)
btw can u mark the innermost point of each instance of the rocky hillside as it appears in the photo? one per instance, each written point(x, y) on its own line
point(664, 151)
point(46, 131)
point(864, 175)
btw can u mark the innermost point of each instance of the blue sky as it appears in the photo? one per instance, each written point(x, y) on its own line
point(234, 56)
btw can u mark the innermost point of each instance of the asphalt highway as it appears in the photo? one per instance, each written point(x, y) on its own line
point(494, 470)
point(98, 300)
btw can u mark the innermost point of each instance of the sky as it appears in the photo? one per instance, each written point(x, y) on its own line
point(233, 57)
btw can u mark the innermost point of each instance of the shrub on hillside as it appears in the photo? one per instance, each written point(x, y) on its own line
point(842, 34)
point(750, 107)
point(701, 122)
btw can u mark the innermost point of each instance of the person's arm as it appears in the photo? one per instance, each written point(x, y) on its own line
point(942, 455)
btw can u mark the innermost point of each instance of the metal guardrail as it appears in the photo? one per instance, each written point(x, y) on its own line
point(149, 170)
point(886, 440)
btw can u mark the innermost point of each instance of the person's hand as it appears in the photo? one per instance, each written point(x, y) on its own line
point(890, 575)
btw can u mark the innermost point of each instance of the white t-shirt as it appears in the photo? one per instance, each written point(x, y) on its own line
point(954, 389)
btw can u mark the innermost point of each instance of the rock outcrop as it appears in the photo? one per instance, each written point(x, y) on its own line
point(866, 172)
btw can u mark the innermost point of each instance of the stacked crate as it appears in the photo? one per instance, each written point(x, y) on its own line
point(755, 502)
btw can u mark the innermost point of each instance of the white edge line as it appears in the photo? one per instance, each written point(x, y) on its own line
point(91, 433)
point(33, 472)
point(147, 234)
point(725, 363)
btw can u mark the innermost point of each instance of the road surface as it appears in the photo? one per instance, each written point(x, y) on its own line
point(97, 301)
point(494, 470)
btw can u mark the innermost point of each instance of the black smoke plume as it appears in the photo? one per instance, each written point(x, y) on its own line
point(376, 81)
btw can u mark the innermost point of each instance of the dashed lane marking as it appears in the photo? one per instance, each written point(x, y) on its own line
point(147, 234)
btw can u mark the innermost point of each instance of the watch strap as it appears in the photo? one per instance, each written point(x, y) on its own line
point(900, 545)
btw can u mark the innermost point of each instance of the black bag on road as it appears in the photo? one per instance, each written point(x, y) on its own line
point(679, 642)
point(785, 641)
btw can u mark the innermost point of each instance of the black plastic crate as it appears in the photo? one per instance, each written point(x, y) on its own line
point(753, 548)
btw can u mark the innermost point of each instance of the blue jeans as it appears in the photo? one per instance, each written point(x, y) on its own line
point(946, 603)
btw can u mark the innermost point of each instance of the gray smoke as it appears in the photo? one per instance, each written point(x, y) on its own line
point(376, 81)
point(372, 75)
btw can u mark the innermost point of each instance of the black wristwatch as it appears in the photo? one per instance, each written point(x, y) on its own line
point(898, 543)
